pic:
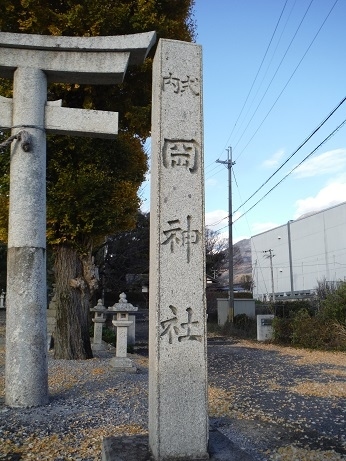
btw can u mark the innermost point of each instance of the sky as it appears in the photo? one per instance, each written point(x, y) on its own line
point(274, 83)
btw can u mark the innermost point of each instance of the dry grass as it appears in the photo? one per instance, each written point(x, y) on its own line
point(302, 356)
point(293, 453)
point(69, 447)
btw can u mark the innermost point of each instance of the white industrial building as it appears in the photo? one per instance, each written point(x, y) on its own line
point(292, 258)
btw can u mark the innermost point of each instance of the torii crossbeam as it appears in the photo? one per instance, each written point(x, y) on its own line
point(32, 61)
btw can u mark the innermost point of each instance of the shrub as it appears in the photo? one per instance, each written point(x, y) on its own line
point(242, 321)
point(242, 327)
point(310, 331)
point(316, 333)
point(334, 306)
point(286, 309)
point(282, 330)
point(108, 335)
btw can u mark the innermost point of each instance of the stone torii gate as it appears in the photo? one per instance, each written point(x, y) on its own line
point(33, 61)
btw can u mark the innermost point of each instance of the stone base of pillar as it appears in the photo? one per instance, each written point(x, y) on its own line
point(123, 364)
point(136, 447)
point(99, 347)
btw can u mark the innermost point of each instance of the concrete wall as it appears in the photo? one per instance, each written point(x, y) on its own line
point(305, 251)
point(241, 306)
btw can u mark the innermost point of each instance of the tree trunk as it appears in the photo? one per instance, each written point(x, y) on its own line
point(71, 340)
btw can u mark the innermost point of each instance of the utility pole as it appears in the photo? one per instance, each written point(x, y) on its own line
point(229, 165)
point(271, 256)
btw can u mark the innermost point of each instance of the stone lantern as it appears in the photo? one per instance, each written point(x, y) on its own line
point(99, 320)
point(2, 299)
point(122, 322)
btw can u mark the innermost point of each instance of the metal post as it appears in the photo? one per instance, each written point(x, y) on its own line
point(290, 255)
point(271, 271)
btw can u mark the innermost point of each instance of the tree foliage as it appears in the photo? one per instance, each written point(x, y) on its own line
point(92, 184)
point(3, 255)
point(125, 253)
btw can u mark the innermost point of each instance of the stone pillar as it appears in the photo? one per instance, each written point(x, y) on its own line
point(178, 413)
point(26, 328)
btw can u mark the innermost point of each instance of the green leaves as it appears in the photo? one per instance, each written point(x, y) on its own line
point(92, 184)
point(92, 187)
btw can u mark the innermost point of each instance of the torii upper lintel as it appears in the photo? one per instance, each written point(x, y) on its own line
point(87, 60)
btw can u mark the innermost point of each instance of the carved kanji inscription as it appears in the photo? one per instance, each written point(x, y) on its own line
point(183, 331)
point(181, 153)
point(176, 235)
point(180, 85)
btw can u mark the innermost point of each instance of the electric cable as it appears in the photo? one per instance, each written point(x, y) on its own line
point(297, 150)
point(288, 81)
point(289, 158)
point(293, 169)
point(275, 73)
point(260, 67)
point(268, 66)
point(258, 71)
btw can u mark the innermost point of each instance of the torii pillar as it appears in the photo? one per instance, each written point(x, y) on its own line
point(33, 61)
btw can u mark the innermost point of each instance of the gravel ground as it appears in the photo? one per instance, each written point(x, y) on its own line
point(276, 403)
point(279, 403)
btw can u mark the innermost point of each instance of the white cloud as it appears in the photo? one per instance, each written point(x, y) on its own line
point(274, 160)
point(259, 227)
point(330, 195)
point(329, 162)
point(211, 182)
point(216, 219)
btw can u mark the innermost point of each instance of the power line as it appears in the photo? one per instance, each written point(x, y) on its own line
point(268, 66)
point(289, 158)
point(281, 180)
point(288, 81)
point(259, 69)
point(297, 150)
point(275, 73)
point(309, 155)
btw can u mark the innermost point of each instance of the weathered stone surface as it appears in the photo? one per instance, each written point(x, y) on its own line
point(26, 333)
point(123, 305)
point(120, 307)
point(131, 333)
point(27, 216)
point(31, 60)
point(88, 60)
point(178, 422)
point(264, 327)
point(83, 67)
point(81, 122)
point(136, 448)
point(137, 44)
point(63, 120)
point(123, 364)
